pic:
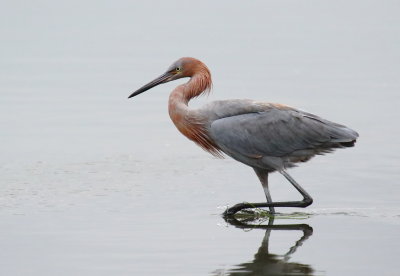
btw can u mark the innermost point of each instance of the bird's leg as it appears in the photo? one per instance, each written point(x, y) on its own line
point(263, 176)
point(307, 200)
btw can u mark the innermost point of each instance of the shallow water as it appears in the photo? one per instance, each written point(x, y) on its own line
point(94, 184)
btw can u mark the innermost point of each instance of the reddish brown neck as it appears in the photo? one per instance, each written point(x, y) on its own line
point(198, 84)
point(188, 122)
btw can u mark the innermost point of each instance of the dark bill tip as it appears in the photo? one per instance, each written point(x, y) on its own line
point(161, 79)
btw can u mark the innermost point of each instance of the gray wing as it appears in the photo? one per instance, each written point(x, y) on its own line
point(279, 131)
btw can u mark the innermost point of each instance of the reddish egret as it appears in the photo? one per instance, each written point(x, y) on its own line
point(265, 136)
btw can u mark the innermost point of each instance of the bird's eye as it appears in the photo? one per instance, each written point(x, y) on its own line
point(178, 69)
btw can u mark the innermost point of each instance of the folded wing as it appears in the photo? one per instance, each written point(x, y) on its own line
point(280, 131)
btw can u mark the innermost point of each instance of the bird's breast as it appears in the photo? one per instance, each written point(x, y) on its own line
point(195, 129)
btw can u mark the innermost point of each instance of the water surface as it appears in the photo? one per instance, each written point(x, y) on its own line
point(94, 184)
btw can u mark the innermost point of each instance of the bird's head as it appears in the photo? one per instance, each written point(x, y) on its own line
point(184, 67)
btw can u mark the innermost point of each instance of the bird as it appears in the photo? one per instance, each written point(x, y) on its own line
point(268, 137)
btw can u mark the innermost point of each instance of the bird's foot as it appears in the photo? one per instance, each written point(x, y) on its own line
point(243, 209)
point(230, 212)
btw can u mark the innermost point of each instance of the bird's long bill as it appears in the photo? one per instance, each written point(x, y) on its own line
point(161, 79)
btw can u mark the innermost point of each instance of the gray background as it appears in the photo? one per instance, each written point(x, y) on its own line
point(94, 184)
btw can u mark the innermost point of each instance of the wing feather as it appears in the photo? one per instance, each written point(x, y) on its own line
point(278, 132)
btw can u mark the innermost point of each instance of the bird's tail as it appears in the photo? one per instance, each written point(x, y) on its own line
point(344, 136)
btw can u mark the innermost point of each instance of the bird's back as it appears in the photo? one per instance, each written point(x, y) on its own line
point(270, 135)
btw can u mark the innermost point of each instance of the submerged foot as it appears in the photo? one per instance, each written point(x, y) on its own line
point(245, 205)
point(230, 212)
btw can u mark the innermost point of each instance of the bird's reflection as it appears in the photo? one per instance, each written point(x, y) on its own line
point(266, 263)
